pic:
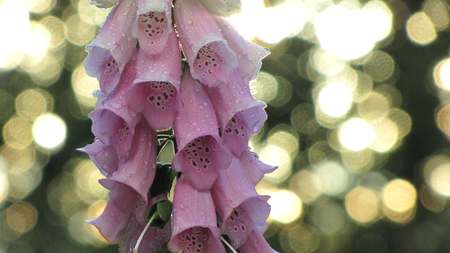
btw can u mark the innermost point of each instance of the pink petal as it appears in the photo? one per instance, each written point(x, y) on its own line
point(104, 157)
point(201, 155)
point(194, 221)
point(254, 167)
point(111, 221)
point(138, 170)
point(206, 50)
point(153, 24)
point(155, 90)
point(114, 46)
point(256, 243)
point(222, 7)
point(249, 54)
point(238, 203)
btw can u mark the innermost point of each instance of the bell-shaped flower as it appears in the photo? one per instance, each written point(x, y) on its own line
point(222, 7)
point(255, 168)
point(206, 50)
point(153, 24)
point(238, 203)
point(152, 239)
point(104, 157)
point(114, 219)
point(201, 154)
point(194, 221)
point(156, 85)
point(113, 47)
point(113, 122)
point(139, 168)
point(249, 54)
point(256, 243)
point(239, 115)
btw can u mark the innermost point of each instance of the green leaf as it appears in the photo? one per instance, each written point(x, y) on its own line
point(164, 209)
point(159, 213)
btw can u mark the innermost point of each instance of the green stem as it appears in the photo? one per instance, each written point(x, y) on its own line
point(228, 245)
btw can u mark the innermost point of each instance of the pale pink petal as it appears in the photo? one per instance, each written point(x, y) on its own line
point(206, 50)
point(194, 221)
point(103, 156)
point(256, 243)
point(222, 7)
point(201, 154)
point(155, 90)
point(139, 168)
point(249, 54)
point(114, 46)
point(238, 203)
point(254, 167)
point(153, 24)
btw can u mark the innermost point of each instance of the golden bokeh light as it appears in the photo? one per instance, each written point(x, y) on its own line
point(327, 63)
point(286, 206)
point(37, 41)
point(17, 132)
point(88, 188)
point(362, 205)
point(363, 87)
point(333, 178)
point(421, 29)
point(443, 118)
point(286, 141)
point(78, 31)
point(31, 104)
point(91, 14)
point(358, 161)
point(439, 179)
point(356, 134)
point(441, 74)
point(351, 33)
point(57, 30)
point(273, 154)
point(374, 106)
point(252, 20)
point(306, 185)
point(18, 160)
point(21, 217)
point(399, 196)
point(49, 131)
point(303, 118)
point(330, 218)
point(40, 6)
point(379, 66)
point(335, 99)
point(84, 85)
point(431, 200)
point(386, 134)
point(83, 232)
point(302, 238)
point(284, 92)
point(4, 183)
point(264, 87)
point(437, 10)
point(402, 120)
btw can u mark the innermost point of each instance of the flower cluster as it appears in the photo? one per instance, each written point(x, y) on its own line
point(146, 87)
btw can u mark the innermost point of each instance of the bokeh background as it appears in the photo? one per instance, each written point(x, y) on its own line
point(359, 119)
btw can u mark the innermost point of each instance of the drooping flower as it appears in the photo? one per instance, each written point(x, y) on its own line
point(249, 54)
point(113, 47)
point(153, 24)
point(156, 85)
point(194, 221)
point(201, 154)
point(238, 204)
point(104, 156)
point(255, 168)
point(207, 52)
point(239, 115)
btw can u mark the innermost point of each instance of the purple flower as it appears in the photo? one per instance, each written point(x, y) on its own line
point(238, 203)
point(113, 47)
point(194, 221)
point(254, 167)
point(201, 154)
point(104, 157)
point(256, 243)
point(249, 54)
point(156, 85)
point(239, 115)
point(153, 24)
point(206, 50)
